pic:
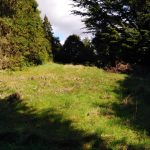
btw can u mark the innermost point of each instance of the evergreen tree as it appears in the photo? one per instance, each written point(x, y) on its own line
point(7, 7)
point(89, 55)
point(54, 41)
point(107, 47)
point(73, 50)
point(57, 47)
point(121, 28)
point(48, 29)
point(22, 39)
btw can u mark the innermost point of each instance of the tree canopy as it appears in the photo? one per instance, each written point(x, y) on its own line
point(121, 28)
point(22, 38)
point(54, 41)
point(72, 50)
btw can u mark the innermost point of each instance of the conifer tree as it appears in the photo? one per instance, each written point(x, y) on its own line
point(121, 28)
point(54, 41)
point(89, 55)
point(22, 39)
point(73, 50)
point(48, 29)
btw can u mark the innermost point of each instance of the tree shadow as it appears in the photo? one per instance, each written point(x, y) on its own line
point(24, 128)
point(134, 106)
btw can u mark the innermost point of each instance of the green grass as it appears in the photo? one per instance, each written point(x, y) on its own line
point(66, 107)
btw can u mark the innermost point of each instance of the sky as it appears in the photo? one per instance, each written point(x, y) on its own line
point(63, 22)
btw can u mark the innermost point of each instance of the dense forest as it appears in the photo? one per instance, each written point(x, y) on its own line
point(22, 38)
point(121, 29)
point(121, 33)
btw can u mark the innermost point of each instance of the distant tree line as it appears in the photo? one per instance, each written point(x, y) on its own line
point(121, 33)
point(74, 50)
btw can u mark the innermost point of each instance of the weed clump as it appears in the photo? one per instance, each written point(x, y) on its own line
point(13, 98)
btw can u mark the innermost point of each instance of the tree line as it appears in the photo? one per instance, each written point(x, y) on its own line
point(74, 50)
point(121, 33)
point(120, 29)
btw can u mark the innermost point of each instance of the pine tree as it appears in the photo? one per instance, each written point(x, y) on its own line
point(121, 28)
point(89, 55)
point(48, 29)
point(54, 41)
point(22, 39)
point(73, 50)
point(56, 49)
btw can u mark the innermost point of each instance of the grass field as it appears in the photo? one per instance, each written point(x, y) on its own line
point(66, 107)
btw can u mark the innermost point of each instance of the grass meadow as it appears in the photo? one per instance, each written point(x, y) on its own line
point(67, 107)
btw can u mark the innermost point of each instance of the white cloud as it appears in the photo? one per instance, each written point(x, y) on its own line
point(59, 13)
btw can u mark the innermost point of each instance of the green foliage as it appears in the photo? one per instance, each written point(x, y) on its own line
point(107, 45)
point(54, 41)
point(21, 35)
point(89, 54)
point(121, 29)
point(57, 47)
point(73, 50)
point(7, 7)
point(47, 29)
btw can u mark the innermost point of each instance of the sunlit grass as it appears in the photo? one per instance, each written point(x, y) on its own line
point(84, 95)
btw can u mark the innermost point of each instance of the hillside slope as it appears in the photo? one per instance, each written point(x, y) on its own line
point(22, 38)
point(73, 107)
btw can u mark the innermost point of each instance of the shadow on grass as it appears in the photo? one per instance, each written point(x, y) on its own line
point(134, 106)
point(24, 128)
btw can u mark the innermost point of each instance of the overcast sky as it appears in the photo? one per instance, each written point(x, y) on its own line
point(63, 22)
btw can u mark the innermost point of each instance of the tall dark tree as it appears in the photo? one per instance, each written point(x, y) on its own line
point(57, 47)
point(54, 41)
point(101, 14)
point(89, 54)
point(47, 28)
point(126, 21)
point(48, 32)
point(73, 50)
point(107, 47)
